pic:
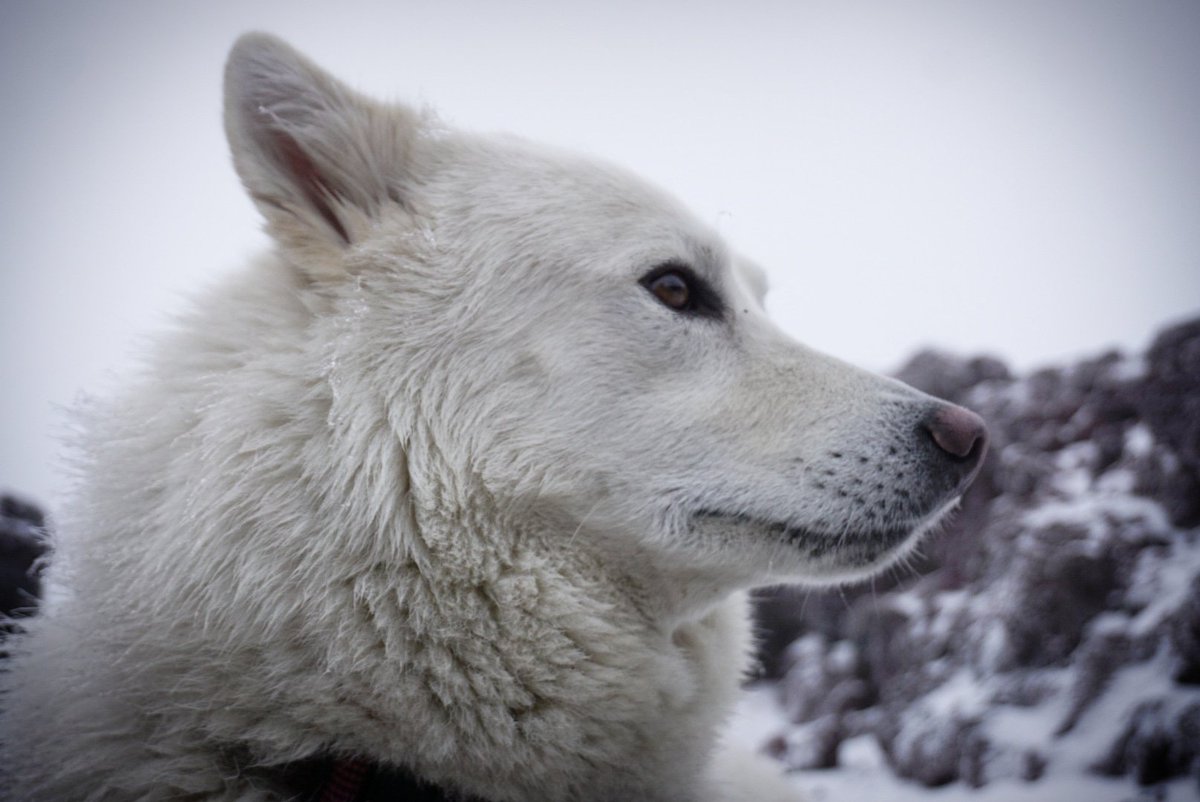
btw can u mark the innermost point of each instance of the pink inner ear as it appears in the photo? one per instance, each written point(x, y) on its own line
point(307, 178)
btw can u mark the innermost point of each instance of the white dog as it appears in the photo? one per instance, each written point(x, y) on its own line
point(460, 487)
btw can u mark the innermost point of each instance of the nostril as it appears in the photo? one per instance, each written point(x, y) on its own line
point(959, 432)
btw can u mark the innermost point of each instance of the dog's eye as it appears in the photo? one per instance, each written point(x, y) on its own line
point(677, 287)
point(673, 290)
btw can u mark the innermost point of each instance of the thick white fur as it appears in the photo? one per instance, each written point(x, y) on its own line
point(422, 486)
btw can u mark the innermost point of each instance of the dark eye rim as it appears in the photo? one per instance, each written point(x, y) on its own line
point(703, 300)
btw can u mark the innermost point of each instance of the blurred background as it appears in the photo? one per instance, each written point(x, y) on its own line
point(1013, 184)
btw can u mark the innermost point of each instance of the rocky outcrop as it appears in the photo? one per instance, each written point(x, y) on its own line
point(1056, 622)
point(22, 544)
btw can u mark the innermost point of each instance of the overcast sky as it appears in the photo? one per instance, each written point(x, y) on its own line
point(1018, 178)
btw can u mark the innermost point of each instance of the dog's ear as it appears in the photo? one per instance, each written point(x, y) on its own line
point(320, 160)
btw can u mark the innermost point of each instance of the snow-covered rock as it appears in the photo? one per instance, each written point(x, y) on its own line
point(1055, 625)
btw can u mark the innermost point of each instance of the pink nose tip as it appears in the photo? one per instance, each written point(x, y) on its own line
point(959, 432)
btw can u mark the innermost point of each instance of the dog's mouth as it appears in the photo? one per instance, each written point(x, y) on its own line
point(851, 549)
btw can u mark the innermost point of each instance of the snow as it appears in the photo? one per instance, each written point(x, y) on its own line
point(1139, 441)
point(863, 785)
point(994, 645)
point(961, 696)
point(1163, 581)
point(1030, 727)
point(1095, 729)
point(908, 603)
point(1091, 510)
point(1131, 368)
point(863, 774)
point(842, 657)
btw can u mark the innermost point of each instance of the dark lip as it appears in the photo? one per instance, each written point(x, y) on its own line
point(815, 543)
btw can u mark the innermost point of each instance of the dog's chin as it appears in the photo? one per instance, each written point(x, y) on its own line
point(827, 558)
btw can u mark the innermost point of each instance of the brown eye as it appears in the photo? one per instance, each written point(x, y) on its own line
point(682, 290)
point(673, 290)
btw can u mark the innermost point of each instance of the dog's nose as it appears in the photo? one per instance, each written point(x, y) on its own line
point(961, 435)
point(957, 431)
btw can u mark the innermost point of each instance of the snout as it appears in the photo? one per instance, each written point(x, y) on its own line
point(960, 441)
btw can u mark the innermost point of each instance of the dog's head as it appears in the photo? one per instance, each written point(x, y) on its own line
point(553, 334)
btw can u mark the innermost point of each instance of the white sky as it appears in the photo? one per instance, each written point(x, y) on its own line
point(1021, 178)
